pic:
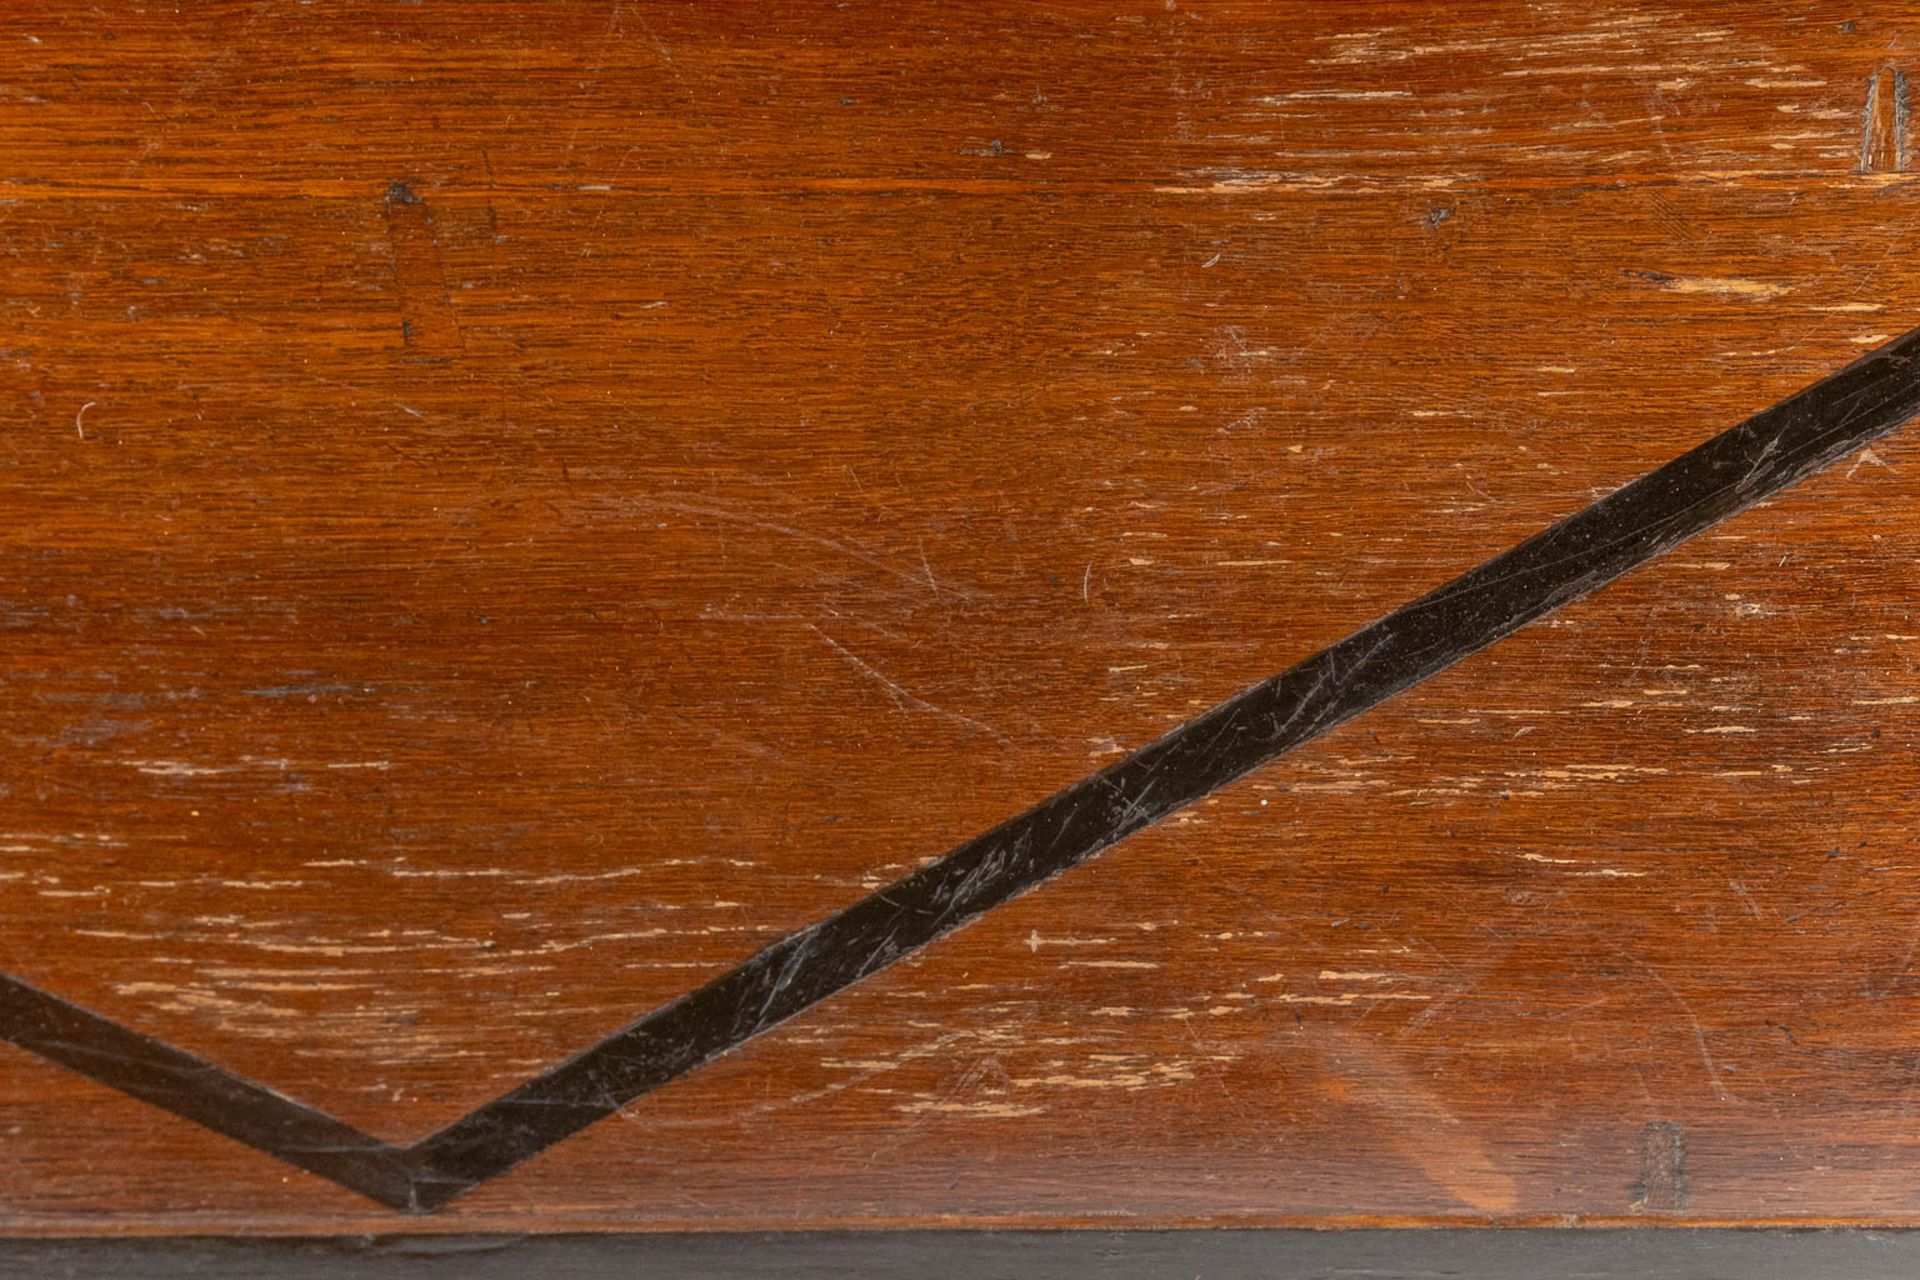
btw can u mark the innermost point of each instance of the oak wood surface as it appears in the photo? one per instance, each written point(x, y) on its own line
point(510, 508)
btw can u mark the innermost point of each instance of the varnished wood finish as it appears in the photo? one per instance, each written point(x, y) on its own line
point(511, 508)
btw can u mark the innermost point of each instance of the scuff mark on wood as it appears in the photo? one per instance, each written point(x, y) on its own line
point(1883, 131)
point(427, 323)
point(1663, 1176)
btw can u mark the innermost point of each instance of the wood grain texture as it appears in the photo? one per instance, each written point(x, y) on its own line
point(510, 508)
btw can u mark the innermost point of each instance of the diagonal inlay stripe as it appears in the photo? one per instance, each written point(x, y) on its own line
point(103, 1050)
point(1729, 473)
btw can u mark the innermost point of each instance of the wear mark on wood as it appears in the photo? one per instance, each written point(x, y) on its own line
point(1663, 1172)
point(1413, 1120)
point(1883, 132)
point(427, 324)
point(1729, 473)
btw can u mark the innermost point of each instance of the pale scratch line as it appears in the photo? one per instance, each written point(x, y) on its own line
point(1693, 1019)
point(790, 531)
point(901, 697)
point(1865, 457)
point(925, 564)
point(592, 86)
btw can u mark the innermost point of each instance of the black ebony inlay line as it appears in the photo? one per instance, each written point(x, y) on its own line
point(1729, 473)
point(103, 1050)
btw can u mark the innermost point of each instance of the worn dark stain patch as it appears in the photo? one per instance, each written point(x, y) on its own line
point(1728, 474)
point(427, 323)
point(1663, 1169)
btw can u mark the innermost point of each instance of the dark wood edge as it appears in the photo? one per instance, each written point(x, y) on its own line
point(1390, 1254)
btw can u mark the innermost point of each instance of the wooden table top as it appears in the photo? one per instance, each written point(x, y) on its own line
point(647, 615)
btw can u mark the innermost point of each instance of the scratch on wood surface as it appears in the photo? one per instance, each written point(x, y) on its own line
point(1725, 286)
point(902, 698)
point(1883, 129)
